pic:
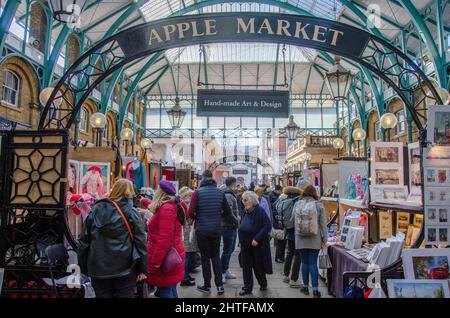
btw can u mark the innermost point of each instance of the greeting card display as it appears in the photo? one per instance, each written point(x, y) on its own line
point(354, 237)
point(439, 125)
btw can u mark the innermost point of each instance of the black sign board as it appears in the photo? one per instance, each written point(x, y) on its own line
point(242, 103)
point(298, 30)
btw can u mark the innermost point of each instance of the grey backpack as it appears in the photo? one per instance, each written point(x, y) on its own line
point(286, 208)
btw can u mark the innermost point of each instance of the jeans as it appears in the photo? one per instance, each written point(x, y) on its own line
point(120, 287)
point(249, 267)
point(187, 265)
point(209, 246)
point(229, 243)
point(168, 292)
point(309, 266)
point(292, 255)
point(280, 249)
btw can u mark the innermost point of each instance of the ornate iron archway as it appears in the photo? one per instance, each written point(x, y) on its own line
point(370, 51)
point(239, 159)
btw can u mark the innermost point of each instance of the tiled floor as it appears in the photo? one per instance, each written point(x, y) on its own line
point(276, 287)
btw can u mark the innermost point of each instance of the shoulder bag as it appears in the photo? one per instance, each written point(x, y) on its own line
point(172, 259)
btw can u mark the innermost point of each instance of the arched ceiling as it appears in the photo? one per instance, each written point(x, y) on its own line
point(242, 63)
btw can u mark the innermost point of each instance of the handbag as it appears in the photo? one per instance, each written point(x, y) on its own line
point(324, 260)
point(172, 259)
point(277, 234)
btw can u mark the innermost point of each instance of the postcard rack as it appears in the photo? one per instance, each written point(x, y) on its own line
point(393, 271)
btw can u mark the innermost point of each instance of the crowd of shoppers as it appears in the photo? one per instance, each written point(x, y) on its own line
point(158, 242)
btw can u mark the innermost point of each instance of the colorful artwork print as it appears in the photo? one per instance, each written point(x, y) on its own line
point(399, 288)
point(95, 179)
point(437, 196)
point(430, 267)
point(387, 154)
point(73, 177)
point(402, 222)
point(387, 176)
point(437, 176)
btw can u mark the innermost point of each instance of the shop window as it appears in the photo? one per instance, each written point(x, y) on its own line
point(11, 84)
point(401, 126)
point(84, 120)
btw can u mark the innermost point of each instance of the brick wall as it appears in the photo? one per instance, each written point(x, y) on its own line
point(38, 25)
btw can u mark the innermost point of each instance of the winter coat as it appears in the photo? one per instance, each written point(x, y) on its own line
point(256, 225)
point(206, 208)
point(105, 248)
point(164, 231)
point(311, 242)
point(232, 202)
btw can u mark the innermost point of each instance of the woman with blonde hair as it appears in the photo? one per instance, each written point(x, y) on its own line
point(166, 254)
point(112, 249)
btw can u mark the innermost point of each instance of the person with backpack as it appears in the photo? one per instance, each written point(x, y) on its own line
point(208, 208)
point(112, 249)
point(285, 208)
point(263, 203)
point(166, 254)
point(280, 244)
point(311, 235)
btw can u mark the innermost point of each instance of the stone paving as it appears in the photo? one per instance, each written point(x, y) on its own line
point(276, 287)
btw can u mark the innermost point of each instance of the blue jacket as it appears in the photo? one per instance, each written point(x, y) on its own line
point(206, 208)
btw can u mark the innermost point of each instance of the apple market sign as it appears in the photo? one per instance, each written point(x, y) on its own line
point(304, 31)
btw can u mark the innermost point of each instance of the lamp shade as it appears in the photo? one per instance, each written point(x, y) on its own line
point(388, 121)
point(338, 80)
point(176, 115)
point(98, 121)
point(338, 143)
point(146, 143)
point(359, 134)
point(45, 94)
point(127, 134)
point(67, 10)
point(292, 129)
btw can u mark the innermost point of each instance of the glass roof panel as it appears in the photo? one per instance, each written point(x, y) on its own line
point(241, 53)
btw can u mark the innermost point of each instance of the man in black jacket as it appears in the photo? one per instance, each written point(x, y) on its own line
point(206, 208)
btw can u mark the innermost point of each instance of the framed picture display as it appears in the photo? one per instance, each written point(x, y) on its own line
point(437, 176)
point(437, 196)
point(402, 222)
point(417, 288)
point(439, 125)
point(95, 178)
point(387, 163)
point(384, 224)
point(418, 220)
point(437, 215)
point(155, 174)
point(428, 263)
point(437, 234)
point(415, 178)
point(412, 235)
point(388, 194)
point(73, 177)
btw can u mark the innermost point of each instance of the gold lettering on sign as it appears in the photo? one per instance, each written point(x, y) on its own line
point(250, 25)
point(283, 27)
point(336, 34)
point(265, 25)
point(168, 30)
point(210, 27)
point(301, 29)
point(154, 36)
point(317, 32)
point(182, 27)
point(194, 30)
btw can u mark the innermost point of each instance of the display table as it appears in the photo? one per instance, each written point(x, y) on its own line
point(342, 262)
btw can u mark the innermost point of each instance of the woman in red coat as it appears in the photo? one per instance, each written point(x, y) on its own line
point(165, 231)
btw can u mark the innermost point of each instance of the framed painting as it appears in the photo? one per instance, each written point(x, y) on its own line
point(95, 179)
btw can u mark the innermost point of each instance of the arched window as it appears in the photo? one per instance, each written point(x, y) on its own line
point(11, 85)
point(84, 119)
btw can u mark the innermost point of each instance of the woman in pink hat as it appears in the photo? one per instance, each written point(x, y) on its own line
point(165, 239)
